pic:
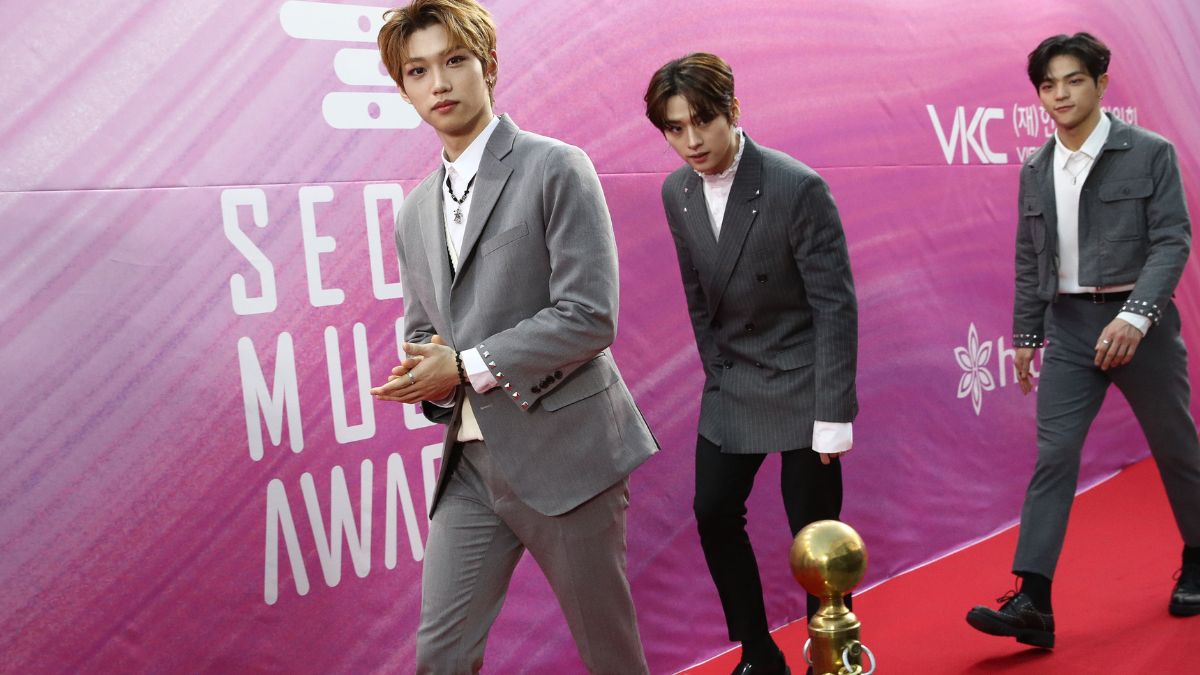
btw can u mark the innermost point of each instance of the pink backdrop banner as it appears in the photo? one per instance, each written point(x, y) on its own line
point(199, 284)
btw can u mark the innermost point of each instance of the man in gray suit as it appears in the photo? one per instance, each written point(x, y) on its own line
point(768, 285)
point(1102, 239)
point(510, 287)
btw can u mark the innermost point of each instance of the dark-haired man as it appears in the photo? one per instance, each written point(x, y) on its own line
point(767, 279)
point(1102, 238)
point(510, 299)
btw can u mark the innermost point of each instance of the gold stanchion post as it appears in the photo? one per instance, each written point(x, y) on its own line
point(829, 559)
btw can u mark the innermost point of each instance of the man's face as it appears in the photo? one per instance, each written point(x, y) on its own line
point(1069, 93)
point(708, 147)
point(446, 84)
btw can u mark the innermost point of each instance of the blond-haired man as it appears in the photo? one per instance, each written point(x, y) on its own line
point(510, 288)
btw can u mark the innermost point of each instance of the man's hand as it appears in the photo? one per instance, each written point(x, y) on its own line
point(827, 457)
point(1117, 343)
point(430, 373)
point(1022, 361)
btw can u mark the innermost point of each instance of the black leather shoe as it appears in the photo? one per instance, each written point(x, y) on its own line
point(1185, 599)
point(1017, 618)
point(778, 666)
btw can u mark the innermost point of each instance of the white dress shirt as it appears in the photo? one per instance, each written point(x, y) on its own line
point(828, 437)
point(460, 172)
point(1071, 169)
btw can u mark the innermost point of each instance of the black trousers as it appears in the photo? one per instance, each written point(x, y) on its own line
point(811, 491)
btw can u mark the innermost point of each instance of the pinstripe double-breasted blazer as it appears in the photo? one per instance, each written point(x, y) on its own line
point(771, 301)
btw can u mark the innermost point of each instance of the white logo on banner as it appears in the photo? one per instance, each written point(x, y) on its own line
point(357, 67)
point(1031, 124)
point(976, 378)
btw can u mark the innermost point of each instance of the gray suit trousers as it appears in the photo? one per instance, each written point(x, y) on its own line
point(477, 535)
point(1070, 391)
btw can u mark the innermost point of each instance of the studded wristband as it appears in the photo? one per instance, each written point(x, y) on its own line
point(462, 374)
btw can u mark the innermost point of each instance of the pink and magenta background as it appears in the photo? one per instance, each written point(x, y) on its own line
point(132, 517)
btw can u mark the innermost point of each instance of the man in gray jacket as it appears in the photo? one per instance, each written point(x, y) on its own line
point(1102, 239)
point(510, 299)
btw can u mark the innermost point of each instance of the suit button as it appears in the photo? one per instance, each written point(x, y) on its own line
point(762, 278)
point(728, 363)
point(535, 389)
point(750, 327)
point(558, 374)
point(757, 364)
point(1125, 191)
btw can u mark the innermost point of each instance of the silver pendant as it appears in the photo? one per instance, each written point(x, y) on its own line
point(458, 216)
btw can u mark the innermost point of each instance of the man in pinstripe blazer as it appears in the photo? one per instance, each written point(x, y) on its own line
point(769, 289)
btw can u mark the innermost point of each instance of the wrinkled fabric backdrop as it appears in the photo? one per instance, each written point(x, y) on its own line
point(200, 283)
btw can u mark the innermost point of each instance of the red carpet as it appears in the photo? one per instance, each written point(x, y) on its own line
point(1110, 599)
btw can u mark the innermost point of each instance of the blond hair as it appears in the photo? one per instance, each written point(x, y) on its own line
point(467, 23)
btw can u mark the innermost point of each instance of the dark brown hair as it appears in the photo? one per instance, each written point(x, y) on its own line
point(1091, 52)
point(705, 80)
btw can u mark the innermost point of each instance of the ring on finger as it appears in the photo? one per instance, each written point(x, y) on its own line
point(411, 379)
point(1105, 341)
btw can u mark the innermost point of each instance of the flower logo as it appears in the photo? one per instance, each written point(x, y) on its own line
point(976, 378)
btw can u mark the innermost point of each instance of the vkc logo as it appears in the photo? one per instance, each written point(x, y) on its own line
point(973, 135)
point(355, 67)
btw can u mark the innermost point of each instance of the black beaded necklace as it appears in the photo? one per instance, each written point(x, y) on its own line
point(459, 200)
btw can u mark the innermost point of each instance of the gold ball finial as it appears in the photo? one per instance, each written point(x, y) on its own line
point(828, 558)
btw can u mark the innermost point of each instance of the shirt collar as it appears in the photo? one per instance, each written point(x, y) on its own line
point(728, 174)
point(1091, 147)
point(467, 163)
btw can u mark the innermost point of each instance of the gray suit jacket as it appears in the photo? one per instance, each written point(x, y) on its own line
point(772, 303)
point(1133, 228)
point(536, 294)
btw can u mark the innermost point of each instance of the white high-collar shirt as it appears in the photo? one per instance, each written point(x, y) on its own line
point(1071, 169)
point(828, 437)
point(717, 187)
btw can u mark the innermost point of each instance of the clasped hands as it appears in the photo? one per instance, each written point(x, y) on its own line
point(1115, 347)
point(430, 373)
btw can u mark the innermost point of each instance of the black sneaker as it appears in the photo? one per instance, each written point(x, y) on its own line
point(1185, 599)
point(1018, 618)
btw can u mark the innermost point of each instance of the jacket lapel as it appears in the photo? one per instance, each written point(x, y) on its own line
point(698, 224)
point(433, 234)
point(489, 183)
point(1043, 164)
point(1119, 139)
point(740, 213)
